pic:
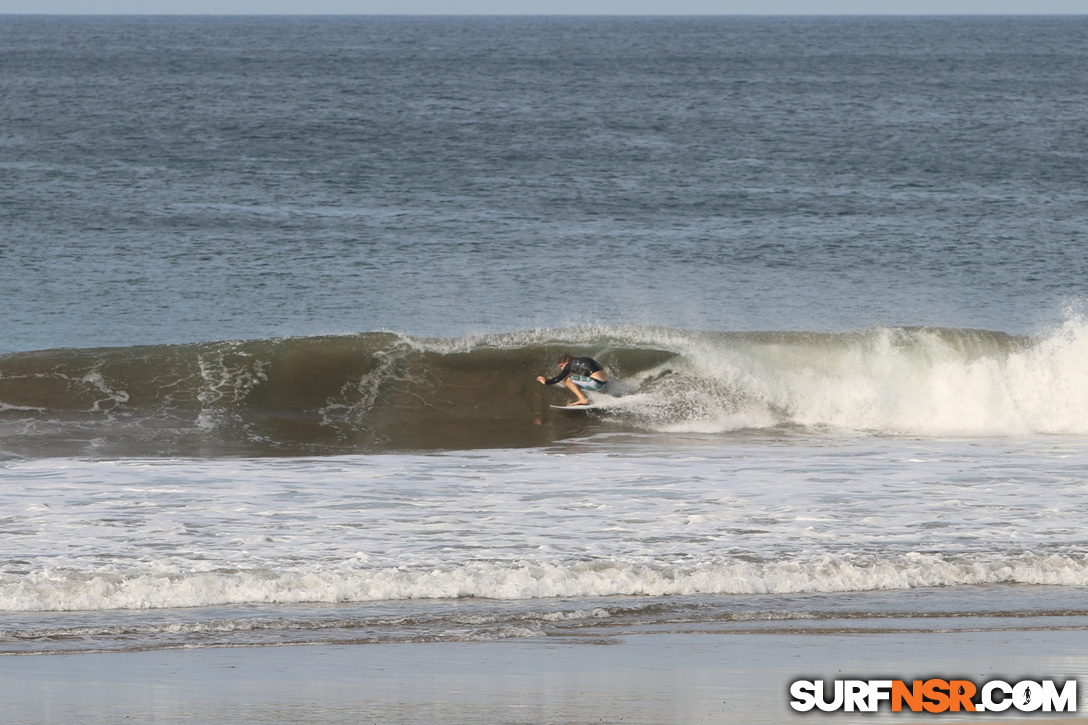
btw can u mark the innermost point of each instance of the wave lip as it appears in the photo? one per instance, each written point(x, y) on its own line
point(382, 391)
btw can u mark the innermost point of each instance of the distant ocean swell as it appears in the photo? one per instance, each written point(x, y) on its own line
point(152, 586)
point(382, 391)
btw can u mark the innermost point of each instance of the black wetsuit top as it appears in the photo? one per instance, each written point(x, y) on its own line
point(577, 366)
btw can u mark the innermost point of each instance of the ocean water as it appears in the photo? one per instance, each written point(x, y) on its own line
point(276, 292)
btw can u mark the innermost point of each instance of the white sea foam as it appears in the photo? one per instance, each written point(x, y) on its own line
point(595, 519)
point(891, 380)
point(169, 586)
point(225, 381)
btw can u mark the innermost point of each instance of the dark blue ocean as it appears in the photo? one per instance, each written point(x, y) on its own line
point(276, 292)
point(167, 180)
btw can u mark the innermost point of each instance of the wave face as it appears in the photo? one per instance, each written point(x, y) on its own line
point(383, 391)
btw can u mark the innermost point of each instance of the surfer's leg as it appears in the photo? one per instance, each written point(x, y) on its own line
point(582, 399)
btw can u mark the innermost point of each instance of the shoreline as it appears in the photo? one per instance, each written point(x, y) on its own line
point(631, 678)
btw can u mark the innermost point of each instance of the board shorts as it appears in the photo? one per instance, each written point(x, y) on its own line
point(587, 383)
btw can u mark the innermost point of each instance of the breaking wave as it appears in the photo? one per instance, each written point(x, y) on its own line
point(152, 587)
point(383, 391)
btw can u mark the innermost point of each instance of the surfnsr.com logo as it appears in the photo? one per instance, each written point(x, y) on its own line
point(934, 695)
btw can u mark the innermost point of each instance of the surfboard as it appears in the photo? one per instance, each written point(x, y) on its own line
point(591, 406)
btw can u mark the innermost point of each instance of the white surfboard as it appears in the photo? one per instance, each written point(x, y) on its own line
point(591, 406)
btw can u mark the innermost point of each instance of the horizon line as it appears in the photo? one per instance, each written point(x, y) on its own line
point(543, 14)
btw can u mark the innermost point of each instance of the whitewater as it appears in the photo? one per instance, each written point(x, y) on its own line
point(700, 521)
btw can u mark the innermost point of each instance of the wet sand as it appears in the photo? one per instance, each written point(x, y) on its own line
point(635, 678)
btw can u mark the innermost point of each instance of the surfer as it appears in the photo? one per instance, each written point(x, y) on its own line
point(580, 373)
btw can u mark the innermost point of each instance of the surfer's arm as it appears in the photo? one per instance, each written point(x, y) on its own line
point(561, 376)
